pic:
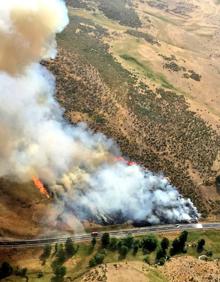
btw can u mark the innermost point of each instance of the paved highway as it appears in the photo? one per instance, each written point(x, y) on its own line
point(114, 233)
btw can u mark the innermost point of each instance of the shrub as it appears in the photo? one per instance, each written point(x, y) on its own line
point(40, 274)
point(21, 272)
point(209, 253)
point(97, 259)
point(200, 245)
point(162, 261)
point(147, 259)
point(92, 262)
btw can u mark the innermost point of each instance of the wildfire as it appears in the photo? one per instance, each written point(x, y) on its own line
point(39, 185)
point(121, 159)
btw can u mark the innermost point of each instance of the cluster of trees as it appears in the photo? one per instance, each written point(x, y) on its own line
point(147, 245)
point(129, 244)
point(120, 10)
point(61, 254)
point(7, 270)
point(179, 244)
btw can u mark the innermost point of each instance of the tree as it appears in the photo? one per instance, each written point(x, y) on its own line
point(200, 245)
point(182, 239)
point(149, 243)
point(92, 262)
point(105, 240)
point(119, 244)
point(93, 242)
point(175, 247)
point(128, 241)
point(178, 244)
point(69, 247)
point(161, 253)
point(135, 247)
point(5, 270)
point(123, 251)
point(60, 254)
point(55, 249)
point(113, 244)
point(46, 253)
point(165, 243)
point(60, 271)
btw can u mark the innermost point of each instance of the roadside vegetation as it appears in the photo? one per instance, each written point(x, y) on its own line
point(60, 261)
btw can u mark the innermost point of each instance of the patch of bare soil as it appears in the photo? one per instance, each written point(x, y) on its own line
point(187, 269)
point(119, 272)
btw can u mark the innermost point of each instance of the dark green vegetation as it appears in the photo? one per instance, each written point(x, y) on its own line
point(171, 64)
point(146, 36)
point(90, 49)
point(120, 10)
point(7, 270)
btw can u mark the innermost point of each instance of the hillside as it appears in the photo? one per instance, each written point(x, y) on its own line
point(150, 83)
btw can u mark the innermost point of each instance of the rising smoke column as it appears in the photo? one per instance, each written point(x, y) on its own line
point(79, 166)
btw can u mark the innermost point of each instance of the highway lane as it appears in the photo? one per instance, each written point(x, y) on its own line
point(40, 242)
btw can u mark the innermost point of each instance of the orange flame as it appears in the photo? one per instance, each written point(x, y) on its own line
point(39, 185)
point(129, 163)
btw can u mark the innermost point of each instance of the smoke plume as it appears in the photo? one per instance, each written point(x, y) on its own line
point(79, 166)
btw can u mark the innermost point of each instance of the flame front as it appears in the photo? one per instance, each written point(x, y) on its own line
point(39, 185)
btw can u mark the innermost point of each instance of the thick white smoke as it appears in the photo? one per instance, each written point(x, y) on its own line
point(35, 140)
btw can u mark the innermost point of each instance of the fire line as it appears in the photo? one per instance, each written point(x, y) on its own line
point(39, 185)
